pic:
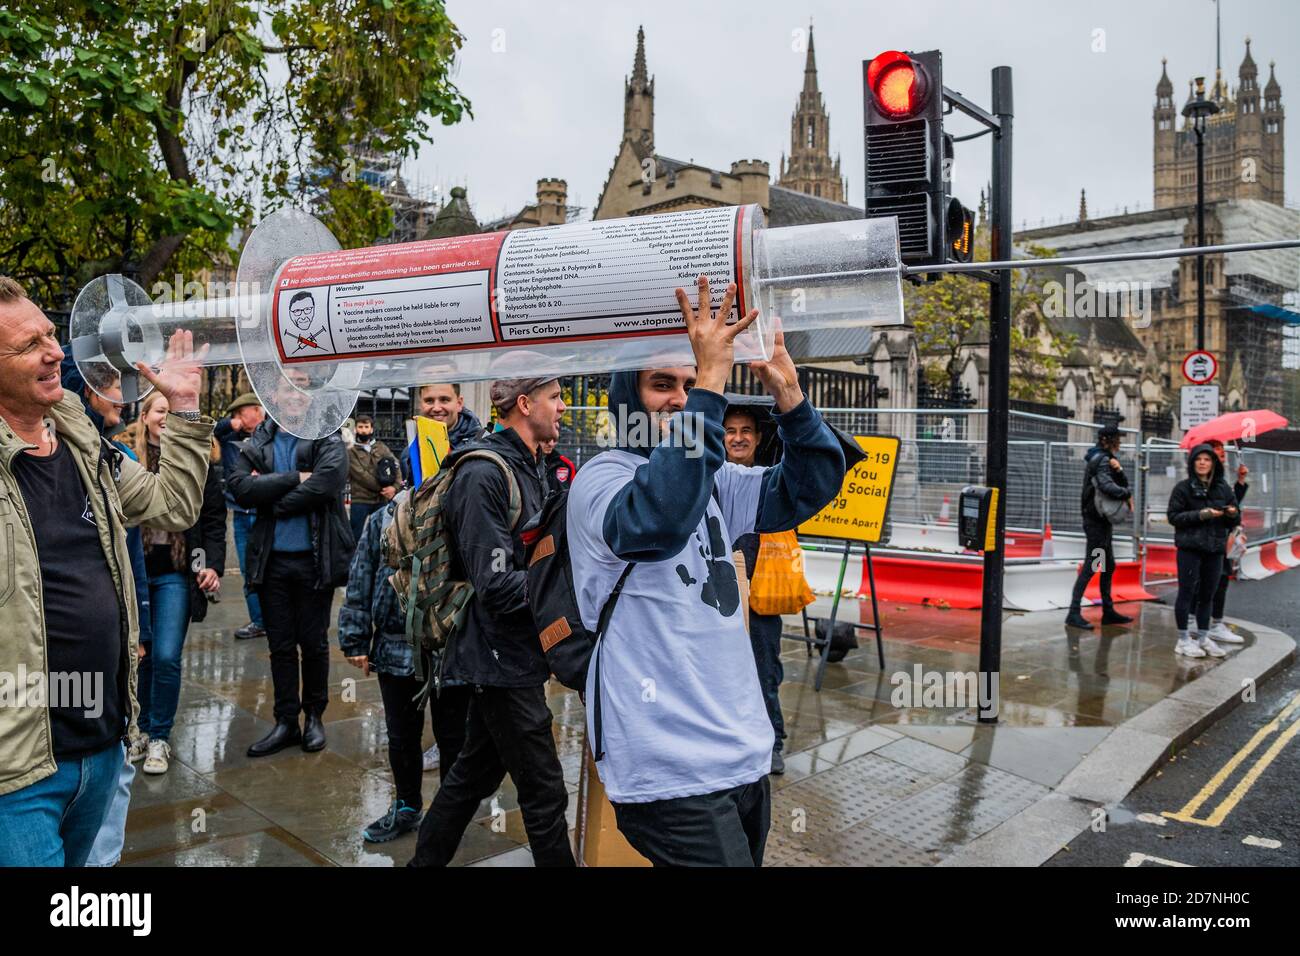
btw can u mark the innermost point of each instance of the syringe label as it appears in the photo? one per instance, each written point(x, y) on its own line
point(613, 277)
point(385, 300)
point(606, 279)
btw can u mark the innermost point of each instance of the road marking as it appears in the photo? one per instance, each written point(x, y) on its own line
point(1220, 813)
point(1137, 859)
point(1265, 842)
point(1152, 818)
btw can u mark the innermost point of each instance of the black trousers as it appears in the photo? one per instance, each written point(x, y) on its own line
point(405, 723)
point(297, 617)
point(1198, 579)
point(1097, 543)
point(1221, 592)
point(508, 731)
point(726, 828)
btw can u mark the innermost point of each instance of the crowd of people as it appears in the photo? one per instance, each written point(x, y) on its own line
point(116, 542)
point(124, 542)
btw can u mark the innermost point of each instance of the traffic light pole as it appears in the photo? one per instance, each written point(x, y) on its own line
point(999, 414)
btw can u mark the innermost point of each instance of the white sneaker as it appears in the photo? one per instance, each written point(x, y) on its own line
point(431, 758)
point(156, 762)
point(1208, 645)
point(1188, 648)
point(139, 746)
point(1224, 634)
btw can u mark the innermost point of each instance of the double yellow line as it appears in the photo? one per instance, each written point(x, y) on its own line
point(1187, 813)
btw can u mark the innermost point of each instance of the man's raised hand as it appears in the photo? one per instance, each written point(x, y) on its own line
point(179, 379)
point(779, 375)
point(712, 340)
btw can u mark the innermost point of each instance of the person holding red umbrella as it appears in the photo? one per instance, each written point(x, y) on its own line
point(1202, 509)
point(1218, 630)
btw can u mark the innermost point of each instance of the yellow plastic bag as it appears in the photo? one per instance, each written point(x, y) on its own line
point(778, 586)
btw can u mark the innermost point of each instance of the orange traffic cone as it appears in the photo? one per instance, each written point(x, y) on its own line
point(1049, 550)
point(945, 512)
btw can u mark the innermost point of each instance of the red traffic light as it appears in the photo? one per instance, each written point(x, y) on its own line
point(898, 84)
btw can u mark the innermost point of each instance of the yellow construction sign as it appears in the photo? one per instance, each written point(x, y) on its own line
point(858, 512)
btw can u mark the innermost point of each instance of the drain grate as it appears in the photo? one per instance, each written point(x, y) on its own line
point(927, 758)
point(957, 811)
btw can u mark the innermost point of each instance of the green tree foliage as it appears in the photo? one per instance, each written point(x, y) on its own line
point(144, 133)
point(946, 313)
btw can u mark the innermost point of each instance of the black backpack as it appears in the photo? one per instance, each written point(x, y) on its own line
point(567, 644)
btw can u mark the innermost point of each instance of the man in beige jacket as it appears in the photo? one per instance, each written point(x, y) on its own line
point(68, 624)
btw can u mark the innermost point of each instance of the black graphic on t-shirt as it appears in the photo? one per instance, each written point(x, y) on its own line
point(720, 590)
point(685, 575)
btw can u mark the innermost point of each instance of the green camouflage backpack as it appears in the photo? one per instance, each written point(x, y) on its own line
point(417, 546)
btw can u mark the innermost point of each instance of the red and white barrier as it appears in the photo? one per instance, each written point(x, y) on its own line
point(1269, 558)
point(958, 581)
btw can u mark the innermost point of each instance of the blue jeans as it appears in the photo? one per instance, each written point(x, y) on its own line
point(765, 636)
point(54, 821)
point(160, 672)
point(243, 524)
point(112, 832)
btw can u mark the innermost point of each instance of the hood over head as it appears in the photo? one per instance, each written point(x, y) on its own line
point(625, 407)
point(1204, 448)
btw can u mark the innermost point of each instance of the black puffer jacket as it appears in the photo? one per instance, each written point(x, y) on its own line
point(498, 644)
point(1191, 496)
point(281, 494)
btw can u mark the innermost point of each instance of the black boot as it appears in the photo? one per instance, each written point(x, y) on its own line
point(1076, 619)
point(1111, 616)
point(285, 733)
point(313, 734)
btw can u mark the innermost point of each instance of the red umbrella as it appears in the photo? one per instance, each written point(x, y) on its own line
point(1235, 426)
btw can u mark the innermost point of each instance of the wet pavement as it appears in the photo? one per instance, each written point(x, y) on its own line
point(866, 782)
point(1228, 797)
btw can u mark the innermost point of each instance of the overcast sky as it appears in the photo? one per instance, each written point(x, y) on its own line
point(546, 84)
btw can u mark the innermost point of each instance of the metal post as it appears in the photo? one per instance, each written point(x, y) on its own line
point(1138, 487)
point(1143, 478)
point(1047, 485)
point(875, 606)
point(999, 388)
point(1275, 473)
point(830, 626)
point(1200, 232)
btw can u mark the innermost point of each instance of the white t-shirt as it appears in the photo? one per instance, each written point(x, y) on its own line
point(682, 710)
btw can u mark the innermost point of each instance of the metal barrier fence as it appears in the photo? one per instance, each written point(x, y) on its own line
point(944, 449)
point(1269, 509)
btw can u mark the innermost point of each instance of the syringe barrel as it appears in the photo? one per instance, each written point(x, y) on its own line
point(830, 274)
point(563, 300)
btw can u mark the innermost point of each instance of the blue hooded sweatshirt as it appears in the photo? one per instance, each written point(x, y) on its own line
point(682, 712)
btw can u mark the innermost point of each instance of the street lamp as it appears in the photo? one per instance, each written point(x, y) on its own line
point(1197, 111)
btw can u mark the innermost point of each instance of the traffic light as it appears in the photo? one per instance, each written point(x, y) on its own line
point(909, 157)
point(959, 232)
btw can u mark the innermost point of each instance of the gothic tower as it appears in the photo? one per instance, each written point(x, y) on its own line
point(639, 104)
point(1271, 151)
point(809, 168)
point(1164, 119)
point(1243, 142)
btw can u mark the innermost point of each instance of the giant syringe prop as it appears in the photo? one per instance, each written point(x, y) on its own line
point(314, 325)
